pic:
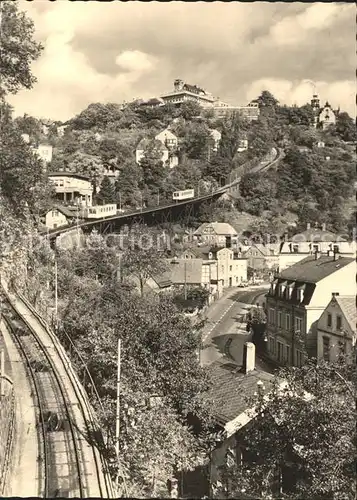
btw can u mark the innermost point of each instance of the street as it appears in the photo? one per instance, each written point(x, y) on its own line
point(225, 326)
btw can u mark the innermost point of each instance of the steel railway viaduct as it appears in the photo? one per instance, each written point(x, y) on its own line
point(162, 214)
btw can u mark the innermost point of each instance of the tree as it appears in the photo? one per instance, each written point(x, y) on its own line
point(267, 100)
point(143, 260)
point(18, 49)
point(189, 110)
point(106, 192)
point(346, 127)
point(88, 165)
point(22, 177)
point(127, 186)
point(152, 165)
point(304, 436)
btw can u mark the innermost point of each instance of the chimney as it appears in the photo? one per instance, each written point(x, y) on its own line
point(308, 225)
point(248, 357)
point(324, 227)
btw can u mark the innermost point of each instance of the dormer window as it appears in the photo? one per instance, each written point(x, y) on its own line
point(301, 293)
point(295, 248)
point(282, 288)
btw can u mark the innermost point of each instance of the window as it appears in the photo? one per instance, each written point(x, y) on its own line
point(230, 268)
point(272, 316)
point(298, 324)
point(287, 321)
point(338, 322)
point(295, 248)
point(280, 319)
point(336, 249)
point(315, 248)
point(272, 345)
point(287, 354)
point(280, 351)
point(329, 320)
point(326, 348)
point(299, 358)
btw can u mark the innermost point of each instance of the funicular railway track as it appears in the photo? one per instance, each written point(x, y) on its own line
point(61, 458)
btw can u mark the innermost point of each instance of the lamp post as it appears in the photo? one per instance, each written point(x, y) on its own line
point(56, 295)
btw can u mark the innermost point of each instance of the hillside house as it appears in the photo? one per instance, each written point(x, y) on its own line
point(336, 328)
point(261, 256)
point(216, 233)
point(216, 136)
point(72, 188)
point(296, 300)
point(57, 216)
point(167, 158)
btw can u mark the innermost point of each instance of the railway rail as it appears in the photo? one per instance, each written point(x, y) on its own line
point(65, 449)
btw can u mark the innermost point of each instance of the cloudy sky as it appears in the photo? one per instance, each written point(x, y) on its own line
point(116, 51)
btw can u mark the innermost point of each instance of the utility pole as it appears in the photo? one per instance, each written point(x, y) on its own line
point(2, 373)
point(56, 296)
point(117, 426)
point(185, 269)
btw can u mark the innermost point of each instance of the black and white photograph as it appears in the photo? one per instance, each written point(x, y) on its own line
point(178, 250)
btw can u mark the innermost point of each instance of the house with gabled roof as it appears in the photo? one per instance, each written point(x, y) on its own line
point(216, 233)
point(261, 256)
point(168, 158)
point(297, 297)
point(336, 328)
point(57, 216)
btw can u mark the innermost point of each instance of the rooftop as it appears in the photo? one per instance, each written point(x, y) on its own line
point(185, 271)
point(64, 210)
point(218, 228)
point(311, 270)
point(231, 388)
point(68, 174)
point(347, 304)
point(315, 235)
point(144, 143)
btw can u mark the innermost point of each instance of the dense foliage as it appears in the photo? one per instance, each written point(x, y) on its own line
point(303, 442)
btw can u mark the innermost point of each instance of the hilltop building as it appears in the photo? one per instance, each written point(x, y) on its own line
point(185, 92)
point(324, 115)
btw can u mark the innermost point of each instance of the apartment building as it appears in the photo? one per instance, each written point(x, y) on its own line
point(226, 268)
point(310, 241)
point(296, 300)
